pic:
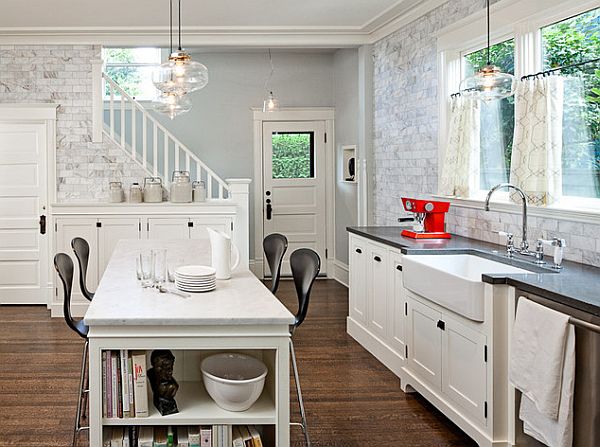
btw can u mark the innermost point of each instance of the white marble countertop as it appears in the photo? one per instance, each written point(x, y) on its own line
point(121, 301)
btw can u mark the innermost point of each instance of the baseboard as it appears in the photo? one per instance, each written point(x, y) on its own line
point(377, 347)
point(77, 309)
point(341, 272)
point(256, 266)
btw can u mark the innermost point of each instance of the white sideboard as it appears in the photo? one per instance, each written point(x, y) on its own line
point(103, 225)
point(459, 365)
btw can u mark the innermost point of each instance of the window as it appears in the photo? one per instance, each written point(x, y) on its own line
point(131, 69)
point(293, 154)
point(497, 117)
point(565, 43)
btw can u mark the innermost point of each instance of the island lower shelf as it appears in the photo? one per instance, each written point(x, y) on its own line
point(197, 407)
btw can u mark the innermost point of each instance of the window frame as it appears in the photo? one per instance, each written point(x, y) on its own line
point(523, 21)
point(107, 64)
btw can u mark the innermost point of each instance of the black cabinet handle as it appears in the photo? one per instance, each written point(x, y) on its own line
point(377, 258)
point(441, 324)
point(399, 268)
point(42, 224)
point(358, 250)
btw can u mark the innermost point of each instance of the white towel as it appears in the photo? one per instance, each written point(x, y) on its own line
point(554, 433)
point(543, 351)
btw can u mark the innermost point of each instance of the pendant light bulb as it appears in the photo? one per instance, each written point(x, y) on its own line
point(489, 83)
point(172, 104)
point(271, 104)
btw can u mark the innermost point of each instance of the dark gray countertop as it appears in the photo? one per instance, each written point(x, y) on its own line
point(577, 285)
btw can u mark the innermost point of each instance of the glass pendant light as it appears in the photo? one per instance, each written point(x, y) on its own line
point(180, 74)
point(489, 83)
point(172, 104)
point(271, 104)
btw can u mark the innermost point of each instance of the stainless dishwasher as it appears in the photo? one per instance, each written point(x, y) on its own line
point(586, 400)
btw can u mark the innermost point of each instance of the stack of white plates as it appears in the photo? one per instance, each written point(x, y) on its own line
point(195, 278)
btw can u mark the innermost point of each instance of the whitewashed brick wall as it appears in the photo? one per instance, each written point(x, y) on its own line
point(62, 74)
point(405, 128)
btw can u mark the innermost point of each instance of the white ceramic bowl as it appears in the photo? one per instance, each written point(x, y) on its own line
point(234, 381)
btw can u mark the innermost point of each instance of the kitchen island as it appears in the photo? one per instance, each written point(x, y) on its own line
point(241, 315)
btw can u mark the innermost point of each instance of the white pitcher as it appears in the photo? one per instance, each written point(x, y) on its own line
point(221, 248)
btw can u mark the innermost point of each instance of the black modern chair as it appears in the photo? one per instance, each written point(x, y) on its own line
point(82, 253)
point(64, 267)
point(275, 245)
point(305, 265)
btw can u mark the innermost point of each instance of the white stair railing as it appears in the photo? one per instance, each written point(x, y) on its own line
point(151, 145)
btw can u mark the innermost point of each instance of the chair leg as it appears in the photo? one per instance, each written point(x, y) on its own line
point(299, 393)
point(81, 393)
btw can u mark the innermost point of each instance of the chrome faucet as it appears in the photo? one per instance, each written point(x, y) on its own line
point(524, 243)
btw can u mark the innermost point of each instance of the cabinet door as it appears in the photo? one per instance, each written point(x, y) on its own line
point(424, 343)
point(377, 297)
point(66, 229)
point(358, 280)
point(464, 378)
point(168, 228)
point(111, 231)
point(200, 224)
point(397, 314)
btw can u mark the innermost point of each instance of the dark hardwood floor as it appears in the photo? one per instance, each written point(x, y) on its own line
point(351, 399)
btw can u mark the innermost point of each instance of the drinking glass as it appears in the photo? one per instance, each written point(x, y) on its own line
point(144, 267)
point(159, 261)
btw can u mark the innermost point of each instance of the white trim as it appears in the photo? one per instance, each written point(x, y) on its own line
point(97, 100)
point(28, 112)
point(364, 152)
point(341, 272)
point(326, 114)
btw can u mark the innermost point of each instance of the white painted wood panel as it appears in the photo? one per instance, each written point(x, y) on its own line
point(425, 343)
point(23, 195)
point(377, 294)
point(200, 224)
point(397, 294)
point(168, 228)
point(112, 230)
point(358, 280)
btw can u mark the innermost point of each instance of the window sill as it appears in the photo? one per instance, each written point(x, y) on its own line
point(555, 212)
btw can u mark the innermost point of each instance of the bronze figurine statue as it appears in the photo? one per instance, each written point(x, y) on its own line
point(164, 386)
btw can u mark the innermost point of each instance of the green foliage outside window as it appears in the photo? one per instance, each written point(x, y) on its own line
point(128, 78)
point(292, 155)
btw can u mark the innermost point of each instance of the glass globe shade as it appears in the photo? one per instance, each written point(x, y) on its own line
point(180, 74)
point(488, 84)
point(271, 104)
point(172, 105)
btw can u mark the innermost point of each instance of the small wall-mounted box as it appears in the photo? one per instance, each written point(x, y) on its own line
point(349, 164)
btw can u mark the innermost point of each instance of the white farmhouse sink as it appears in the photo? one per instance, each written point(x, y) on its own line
point(452, 281)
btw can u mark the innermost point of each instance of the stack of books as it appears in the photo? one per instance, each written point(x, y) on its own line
point(124, 384)
point(183, 436)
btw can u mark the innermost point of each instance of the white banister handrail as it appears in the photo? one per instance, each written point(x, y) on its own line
point(148, 119)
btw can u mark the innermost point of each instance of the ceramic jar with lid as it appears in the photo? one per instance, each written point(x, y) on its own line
point(199, 191)
point(135, 193)
point(153, 190)
point(181, 187)
point(115, 192)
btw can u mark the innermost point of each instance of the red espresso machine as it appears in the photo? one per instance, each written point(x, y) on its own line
point(430, 218)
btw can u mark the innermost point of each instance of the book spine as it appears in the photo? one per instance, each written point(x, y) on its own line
point(109, 385)
point(124, 383)
point(141, 387)
point(119, 387)
point(104, 390)
point(114, 382)
point(206, 437)
point(131, 387)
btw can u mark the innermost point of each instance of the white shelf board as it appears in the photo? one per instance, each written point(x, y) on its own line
point(197, 408)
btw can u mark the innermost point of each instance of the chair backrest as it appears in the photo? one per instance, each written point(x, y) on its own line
point(64, 267)
point(82, 253)
point(275, 245)
point(305, 264)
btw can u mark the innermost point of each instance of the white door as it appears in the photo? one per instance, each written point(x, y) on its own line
point(23, 194)
point(111, 231)
point(397, 317)
point(169, 228)
point(358, 280)
point(377, 296)
point(294, 186)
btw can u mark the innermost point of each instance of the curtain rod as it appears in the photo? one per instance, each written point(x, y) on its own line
point(553, 70)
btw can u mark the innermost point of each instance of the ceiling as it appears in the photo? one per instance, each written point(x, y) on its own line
point(204, 18)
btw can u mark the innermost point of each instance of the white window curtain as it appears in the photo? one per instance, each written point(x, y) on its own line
point(461, 168)
point(536, 161)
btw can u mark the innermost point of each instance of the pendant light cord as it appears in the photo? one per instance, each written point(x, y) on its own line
point(271, 72)
point(489, 62)
point(179, 22)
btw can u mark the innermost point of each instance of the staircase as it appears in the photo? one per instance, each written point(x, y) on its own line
point(156, 150)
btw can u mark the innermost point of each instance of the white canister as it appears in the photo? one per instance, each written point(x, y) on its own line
point(199, 191)
point(181, 187)
point(135, 193)
point(115, 192)
point(153, 191)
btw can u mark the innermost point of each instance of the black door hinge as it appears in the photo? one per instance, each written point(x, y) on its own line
point(485, 409)
point(191, 224)
point(405, 351)
point(406, 308)
point(326, 253)
point(55, 226)
point(441, 324)
point(325, 137)
point(140, 226)
point(98, 224)
point(231, 226)
point(485, 353)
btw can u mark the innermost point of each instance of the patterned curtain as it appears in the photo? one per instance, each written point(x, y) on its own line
point(461, 168)
point(536, 161)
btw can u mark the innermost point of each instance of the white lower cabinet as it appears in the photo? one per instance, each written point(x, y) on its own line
point(399, 305)
point(377, 294)
point(168, 228)
point(111, 231)
point(357, 295)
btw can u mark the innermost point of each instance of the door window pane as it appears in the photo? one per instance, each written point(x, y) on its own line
point(293, 154)
point(497, 117)
point(568, 42)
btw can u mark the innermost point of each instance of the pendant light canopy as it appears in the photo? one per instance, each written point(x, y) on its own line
point(489, 83)
point(271, 103)
point(178, 76)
